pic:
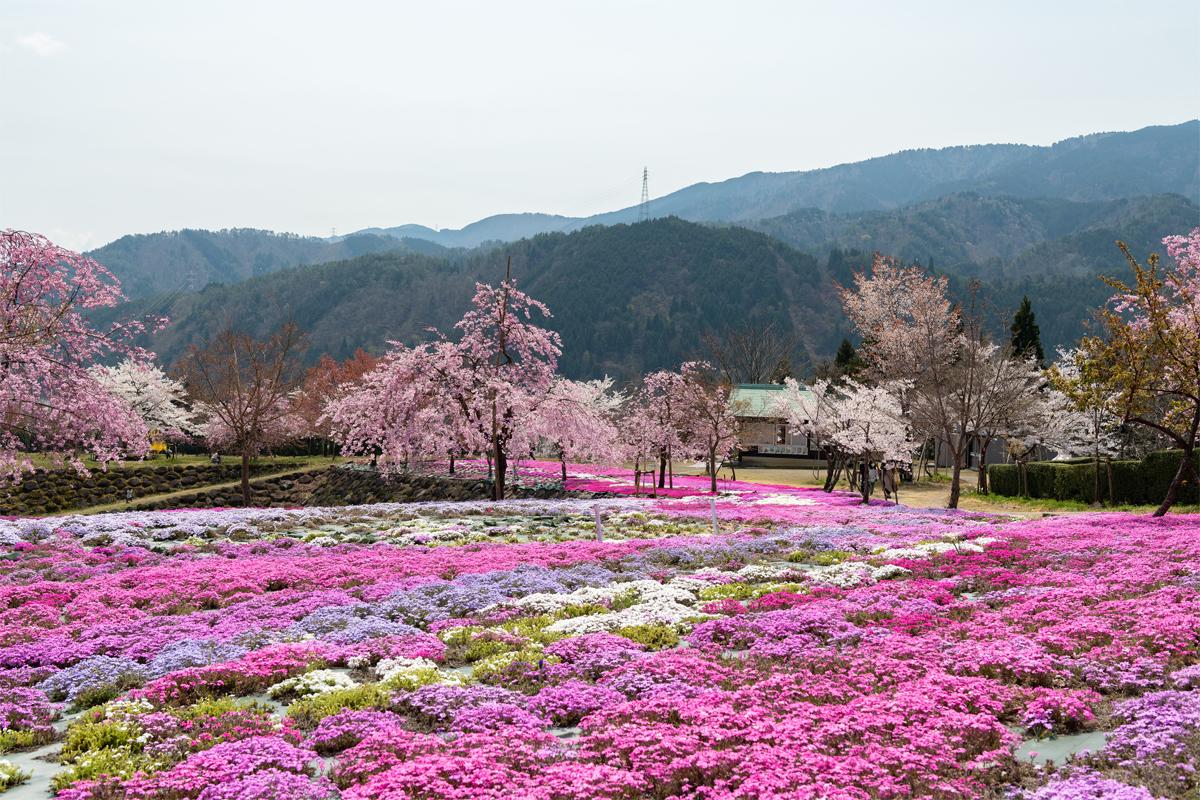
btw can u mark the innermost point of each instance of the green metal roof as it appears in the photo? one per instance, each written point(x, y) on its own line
point(757, 399)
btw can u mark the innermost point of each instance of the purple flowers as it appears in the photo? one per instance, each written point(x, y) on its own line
point(1084, 785)
point(341, 731)
point(568, 703)
point(272, 783)
point(94, 680)
point(493, 716)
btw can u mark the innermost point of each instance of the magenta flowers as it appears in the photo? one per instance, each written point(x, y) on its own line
point(812, 648)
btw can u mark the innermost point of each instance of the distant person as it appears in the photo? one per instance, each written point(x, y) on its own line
point(216, 458)
point(872, 477)
point(889, 480)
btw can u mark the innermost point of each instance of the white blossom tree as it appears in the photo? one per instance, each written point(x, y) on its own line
point(1089, 406)
point(160, 401)
point(867, 422)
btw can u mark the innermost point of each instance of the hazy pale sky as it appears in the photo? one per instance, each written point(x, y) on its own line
point(136, 117)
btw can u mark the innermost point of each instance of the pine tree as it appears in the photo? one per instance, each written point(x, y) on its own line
point(847, 361)
point(1026, 336)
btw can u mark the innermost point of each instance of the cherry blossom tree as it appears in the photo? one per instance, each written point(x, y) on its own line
point(1149, 355)
point(245, 387)
point(396, 411)
point(864, 421)
point(49, 402)
point(815, 413)
point(654, 427)
point(962, 387)
point(326, 383)
point(577, 419)
point(160, 401)
point(475, 393)
point(711, 418)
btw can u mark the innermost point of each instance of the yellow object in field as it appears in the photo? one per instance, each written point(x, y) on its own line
point(157, 445)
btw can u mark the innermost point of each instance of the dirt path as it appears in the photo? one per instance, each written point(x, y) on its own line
point(923, 496)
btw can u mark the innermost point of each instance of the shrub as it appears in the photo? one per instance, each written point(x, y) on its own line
point(309, 711)
point(11, 775)
point(654, 637)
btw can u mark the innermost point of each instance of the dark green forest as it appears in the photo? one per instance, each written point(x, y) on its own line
point(625, 299)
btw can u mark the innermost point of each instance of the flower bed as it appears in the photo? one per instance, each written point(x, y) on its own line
point(810, 647)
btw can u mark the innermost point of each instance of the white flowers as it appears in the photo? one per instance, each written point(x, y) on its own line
point(756, 573)
point(391, 667)
point(654, 607)
point(926, 549)
point(853, 573)
point(319, 681)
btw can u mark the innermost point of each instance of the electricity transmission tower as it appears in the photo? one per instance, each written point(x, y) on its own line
point(644, 208)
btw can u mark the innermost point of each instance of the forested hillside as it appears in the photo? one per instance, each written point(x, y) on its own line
point(626, 298)
point(158, 263)
point(996, 237)
point(634, 297)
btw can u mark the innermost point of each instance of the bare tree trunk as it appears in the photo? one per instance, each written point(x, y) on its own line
point(864, 481)
point(563, 460)
point(954, 485)
point(1096, 470)
point(501, 468)
point(1112, 497)
point(1185, 465)
point(452, 463)
point(662, 469)
point(245, 478)
point(830, 479)
point(982, 486)
point(712, 466)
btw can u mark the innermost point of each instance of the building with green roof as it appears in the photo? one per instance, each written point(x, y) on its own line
point(767, 438)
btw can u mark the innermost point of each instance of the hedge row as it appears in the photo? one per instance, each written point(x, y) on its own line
point(1142, 482)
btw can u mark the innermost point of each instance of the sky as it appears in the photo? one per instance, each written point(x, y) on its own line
point(128, 117)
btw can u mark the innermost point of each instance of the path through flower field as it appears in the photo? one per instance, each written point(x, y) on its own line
point(769, 642)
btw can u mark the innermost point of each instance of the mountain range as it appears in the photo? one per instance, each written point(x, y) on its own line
point(629, 297)
point(1101, 166)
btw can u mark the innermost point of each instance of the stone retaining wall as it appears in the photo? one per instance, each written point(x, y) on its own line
point(61, 490)
point(289, 490)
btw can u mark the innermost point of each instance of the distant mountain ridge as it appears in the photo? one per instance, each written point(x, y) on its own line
point(993, 237)
point(815, 211)
point(1096, 167)
point(664, 281)
point(161, 263)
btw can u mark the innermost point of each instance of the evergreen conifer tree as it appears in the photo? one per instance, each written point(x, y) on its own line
point(847, 361)
point(1026, 336)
